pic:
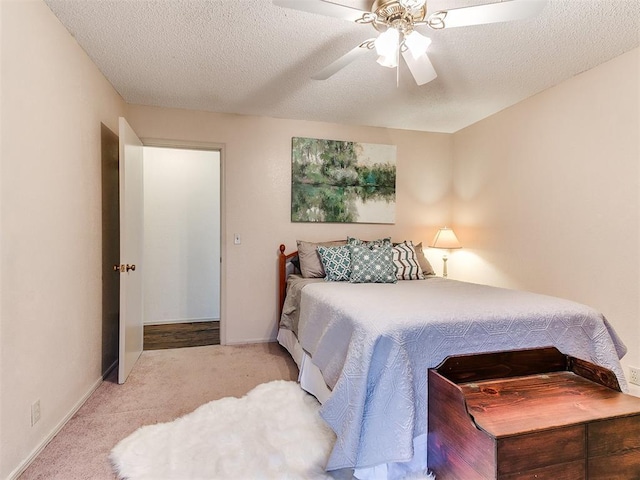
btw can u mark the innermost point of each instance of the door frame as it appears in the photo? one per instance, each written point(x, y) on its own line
point(214, 147)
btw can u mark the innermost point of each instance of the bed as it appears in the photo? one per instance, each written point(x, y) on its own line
point(364, 350)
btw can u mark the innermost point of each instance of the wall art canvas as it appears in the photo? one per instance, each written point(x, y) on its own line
point(342, 182)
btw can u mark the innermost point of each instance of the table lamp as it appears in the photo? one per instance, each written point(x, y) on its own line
point(446, 240)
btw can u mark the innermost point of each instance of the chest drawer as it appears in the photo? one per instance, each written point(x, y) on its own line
point(614, 446)
point(563, 471)
point(523, 453)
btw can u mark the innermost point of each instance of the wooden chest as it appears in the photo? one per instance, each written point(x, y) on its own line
point(530, 414)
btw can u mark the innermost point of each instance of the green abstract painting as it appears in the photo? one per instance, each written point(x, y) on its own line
point(342, 182)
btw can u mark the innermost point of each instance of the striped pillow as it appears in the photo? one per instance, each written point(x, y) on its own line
point(406, 262)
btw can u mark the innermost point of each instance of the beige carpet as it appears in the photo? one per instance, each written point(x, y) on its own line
point(163, 385)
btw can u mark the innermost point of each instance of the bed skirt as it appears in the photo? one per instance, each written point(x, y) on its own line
point(310, 377)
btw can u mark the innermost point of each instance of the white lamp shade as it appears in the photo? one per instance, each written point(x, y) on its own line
point(390, 61)
point(387, 43)
point(445, 238)
point(417, 44)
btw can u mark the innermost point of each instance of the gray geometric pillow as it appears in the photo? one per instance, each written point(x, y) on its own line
point(369, 243)
point(372, 264)
point(336, 262)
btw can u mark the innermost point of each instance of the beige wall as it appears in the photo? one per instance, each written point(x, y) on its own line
point(257, 203)
point(547, 195)
point(53, 100)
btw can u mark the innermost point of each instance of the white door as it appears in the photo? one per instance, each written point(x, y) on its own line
point(131, 240)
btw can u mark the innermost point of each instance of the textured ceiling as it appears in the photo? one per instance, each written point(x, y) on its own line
point(252, 57)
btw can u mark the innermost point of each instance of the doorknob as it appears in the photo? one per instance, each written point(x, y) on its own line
point(123, 268)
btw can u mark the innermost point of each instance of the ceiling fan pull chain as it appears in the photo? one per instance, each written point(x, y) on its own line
point(398, 66)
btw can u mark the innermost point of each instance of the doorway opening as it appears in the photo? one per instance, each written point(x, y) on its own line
point(191, 321)
point(182, 221)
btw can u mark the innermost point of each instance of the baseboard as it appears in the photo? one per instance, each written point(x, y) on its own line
point(183, 320)
point(35, 452)
point(251, 341)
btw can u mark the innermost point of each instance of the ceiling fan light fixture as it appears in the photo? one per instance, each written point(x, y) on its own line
point(388, 42)
point(389, 61)
point(417, 44)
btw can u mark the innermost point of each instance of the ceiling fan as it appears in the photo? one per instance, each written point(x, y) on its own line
point(396, 20)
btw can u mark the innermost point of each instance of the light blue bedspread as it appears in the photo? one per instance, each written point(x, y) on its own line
point(375, 342)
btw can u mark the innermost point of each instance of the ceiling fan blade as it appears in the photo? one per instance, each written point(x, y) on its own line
point(421, 67)
point(323, 7)
point(490, 13)
point(344, 60)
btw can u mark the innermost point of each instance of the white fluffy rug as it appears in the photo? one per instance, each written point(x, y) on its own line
point(273, 432)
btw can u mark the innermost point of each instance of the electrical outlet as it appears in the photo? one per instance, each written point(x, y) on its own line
point(634, 375)
point(35, 412)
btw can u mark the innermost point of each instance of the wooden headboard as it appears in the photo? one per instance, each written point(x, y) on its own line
point(283, 260)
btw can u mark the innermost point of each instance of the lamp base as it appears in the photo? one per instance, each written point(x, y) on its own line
point(444, 267)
